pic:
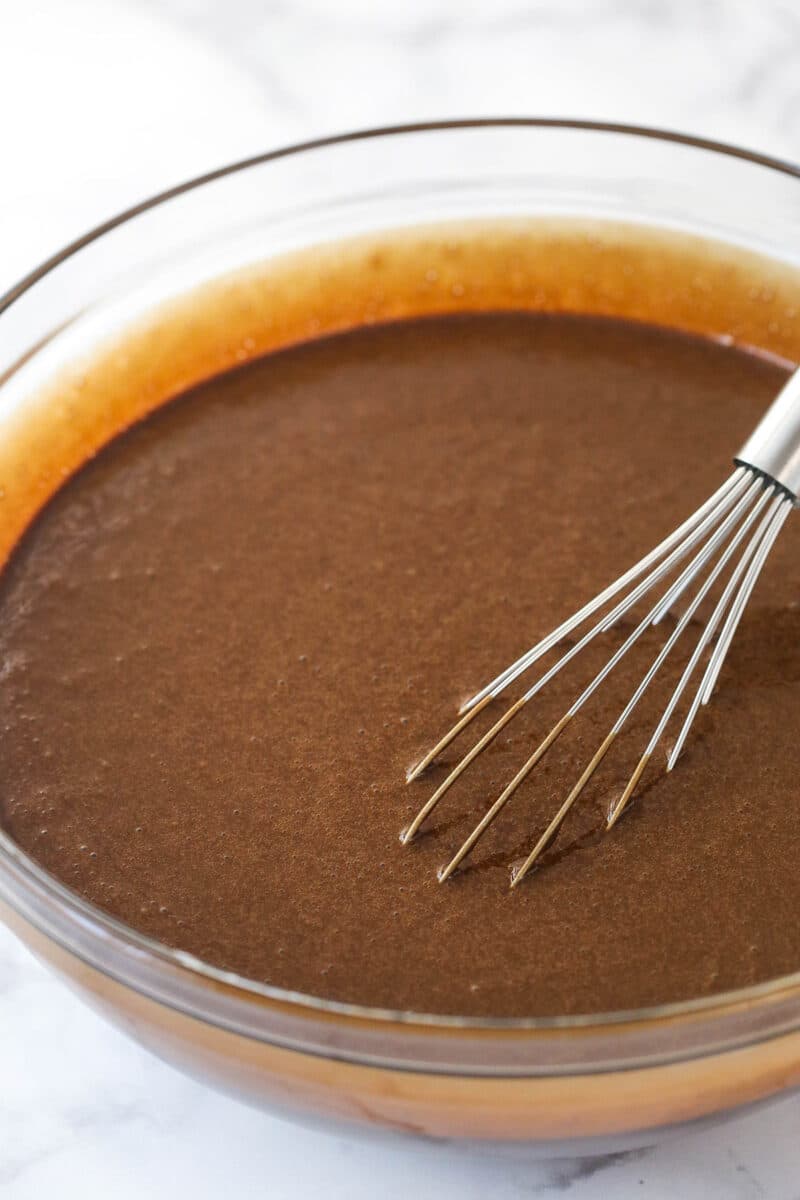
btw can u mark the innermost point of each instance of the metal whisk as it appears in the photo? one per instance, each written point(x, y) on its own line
point(736, 527)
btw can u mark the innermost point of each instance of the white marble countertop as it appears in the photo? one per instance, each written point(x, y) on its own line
point(104, 101)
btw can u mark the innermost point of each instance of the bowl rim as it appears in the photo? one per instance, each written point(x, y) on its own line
point(18, 870)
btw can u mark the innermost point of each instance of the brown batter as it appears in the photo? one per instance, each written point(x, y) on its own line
point(225, 640)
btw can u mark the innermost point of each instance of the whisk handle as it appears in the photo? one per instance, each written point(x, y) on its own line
point(774, 445)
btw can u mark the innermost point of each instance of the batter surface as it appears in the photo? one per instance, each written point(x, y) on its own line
point(226, 639)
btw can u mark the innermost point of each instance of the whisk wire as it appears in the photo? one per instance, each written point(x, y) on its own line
point(699, 560)
point(754, 500)
point(504, 797)
point(740, 603)
point(725, 498)
point(766, 523)
point(708, 631)
point(459, 769)
point(734, 499)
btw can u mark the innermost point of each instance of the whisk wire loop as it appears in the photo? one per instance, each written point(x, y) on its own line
point(689, 572)
point(705, 637)
point(746, 503)
point(726, 497)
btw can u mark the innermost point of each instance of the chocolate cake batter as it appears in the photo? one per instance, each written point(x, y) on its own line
point(225, 640)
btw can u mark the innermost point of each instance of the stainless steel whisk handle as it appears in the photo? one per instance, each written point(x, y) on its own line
point(773, 447)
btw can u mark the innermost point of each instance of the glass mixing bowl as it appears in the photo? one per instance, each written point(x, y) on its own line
point(572, 1085)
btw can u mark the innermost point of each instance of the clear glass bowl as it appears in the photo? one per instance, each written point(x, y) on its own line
point(572, 1085)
